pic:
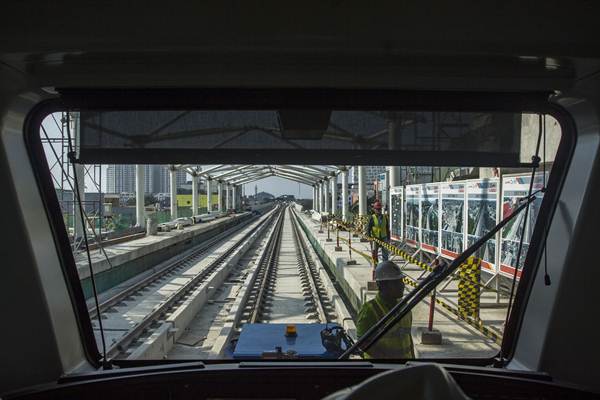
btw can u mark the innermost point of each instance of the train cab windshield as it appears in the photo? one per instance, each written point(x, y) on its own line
point(312, 226)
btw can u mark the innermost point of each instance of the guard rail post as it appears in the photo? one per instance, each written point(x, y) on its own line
point(431, 336)
point(350, 260)
point(337, 238)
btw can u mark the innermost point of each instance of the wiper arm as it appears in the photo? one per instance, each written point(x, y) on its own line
point(427, 285)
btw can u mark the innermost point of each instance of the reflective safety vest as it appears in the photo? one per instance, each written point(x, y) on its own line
point(396, 343)
point(379, 229)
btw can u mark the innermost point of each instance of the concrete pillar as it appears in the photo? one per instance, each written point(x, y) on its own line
point(233, 197)
point(220, 196)
point(362, 191)
point(318, 200)
point(314, 198)
point(227, 197)
point(78, 222)
point(333, 181)
point(78, 225)
point(195, 179)
point(173, 190)
point(394, 175)
point(325, 195)
point(208, 195)
point(140, 219)
point(344, 194)
point(321, 206)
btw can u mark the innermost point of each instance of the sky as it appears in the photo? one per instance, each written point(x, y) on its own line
point(278, 186)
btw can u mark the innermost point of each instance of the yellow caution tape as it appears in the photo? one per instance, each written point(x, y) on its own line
point(366, 256)
point(467, 315)
point(476, 323)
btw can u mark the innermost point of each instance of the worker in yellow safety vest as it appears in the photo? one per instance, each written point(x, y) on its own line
point(378, 228)
point(397, 342)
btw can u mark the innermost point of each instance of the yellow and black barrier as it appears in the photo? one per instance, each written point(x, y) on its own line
point(476, 323)
point(469, 274)
point(469, 286)
point(365, 255)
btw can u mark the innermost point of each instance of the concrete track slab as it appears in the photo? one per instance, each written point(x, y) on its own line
point(287, 303)
point(122, 253)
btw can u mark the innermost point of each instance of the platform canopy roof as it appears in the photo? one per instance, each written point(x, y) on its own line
point(241, 174)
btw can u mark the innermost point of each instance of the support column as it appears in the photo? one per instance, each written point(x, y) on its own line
point(78, 223)
point(362, 191)
point(233, 197)
point(208, 195)
point(344, 194)
point(394, 173)
point(333, 180)
point(325, 195)
point(394, 180)
point(79, 226)
point(314, 204)
point(320, 192)
point(194, 194)
point(220, 196)
point(173, 190)
point(227, 197)
point(139, 196)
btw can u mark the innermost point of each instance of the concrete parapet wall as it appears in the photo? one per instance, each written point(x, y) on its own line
point(125, 260)
point(262, 207)
point(352, 279)
point(160, 343)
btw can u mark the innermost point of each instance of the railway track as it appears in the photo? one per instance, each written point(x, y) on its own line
point(135, 313)
point(196, 306)
point(284, 283)
point(288, 287)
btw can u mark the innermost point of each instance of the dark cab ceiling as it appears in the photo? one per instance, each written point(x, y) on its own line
point(417, 45)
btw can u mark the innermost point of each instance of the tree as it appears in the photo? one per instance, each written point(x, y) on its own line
point(148, 200)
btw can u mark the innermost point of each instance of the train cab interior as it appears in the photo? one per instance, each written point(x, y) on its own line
point(454, 100)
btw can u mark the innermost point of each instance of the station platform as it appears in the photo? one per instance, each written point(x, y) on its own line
point(460, 339)
point(122, 261)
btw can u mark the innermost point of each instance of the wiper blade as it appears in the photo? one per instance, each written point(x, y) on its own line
point(427, 285)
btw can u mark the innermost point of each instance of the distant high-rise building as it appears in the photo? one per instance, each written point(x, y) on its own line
point(120, 178)
point(157, 179)
point(150, 178)
point(181, 177)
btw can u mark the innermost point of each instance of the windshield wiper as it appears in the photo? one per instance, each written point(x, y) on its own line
point(427, 285)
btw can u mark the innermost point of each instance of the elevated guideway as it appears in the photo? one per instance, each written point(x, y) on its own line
point(117, 263)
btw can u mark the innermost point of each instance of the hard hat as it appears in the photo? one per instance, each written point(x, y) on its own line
point(388, 271)
point(377, 205)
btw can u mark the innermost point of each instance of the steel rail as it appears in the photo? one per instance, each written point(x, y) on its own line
point(308, 266)
point(189, 256)
point(121, 345)
point(273, 251)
